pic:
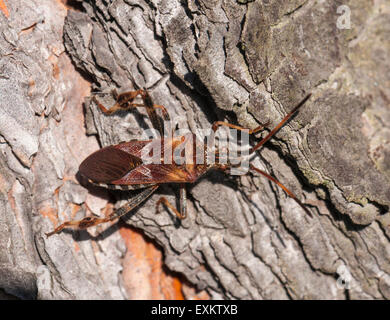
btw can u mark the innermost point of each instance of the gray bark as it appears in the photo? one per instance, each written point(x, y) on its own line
point(247, 62)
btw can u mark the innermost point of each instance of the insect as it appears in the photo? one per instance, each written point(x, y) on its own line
point(122, 167)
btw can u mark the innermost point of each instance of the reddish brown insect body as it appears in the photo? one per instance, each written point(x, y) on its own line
point(122, 166)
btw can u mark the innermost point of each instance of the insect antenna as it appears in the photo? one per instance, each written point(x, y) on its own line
point(100, 92)
point(274, 130)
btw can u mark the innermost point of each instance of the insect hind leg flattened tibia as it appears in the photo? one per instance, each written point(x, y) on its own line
point(94, 221)
point(79, 224)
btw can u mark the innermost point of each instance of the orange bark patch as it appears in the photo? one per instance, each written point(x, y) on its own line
point(143, 261)
point(31, 86)
point(56, 70)
point(11, 200)
point(49, 212)
point(177, 290)
point(3, 184)
point(3, 8)
point(75, 209)
point(76, 246)
point(144, 275)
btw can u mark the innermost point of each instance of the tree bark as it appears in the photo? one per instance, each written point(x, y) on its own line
point(246, 62)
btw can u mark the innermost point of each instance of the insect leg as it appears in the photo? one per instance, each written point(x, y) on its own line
point(155, 106)
point(94, 221)
point(151, 110)
point(226, 124)
point(133, 202)
point(292, 195)
point(182, 214)
point(124, 101)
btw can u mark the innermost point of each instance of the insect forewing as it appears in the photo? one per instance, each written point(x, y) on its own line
point(108, 164)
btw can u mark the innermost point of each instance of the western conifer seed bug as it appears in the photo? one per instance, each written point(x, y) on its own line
point(122, 166)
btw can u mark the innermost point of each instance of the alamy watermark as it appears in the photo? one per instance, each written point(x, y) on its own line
point(223, 148)
point(345, 280)
point(344, 20)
